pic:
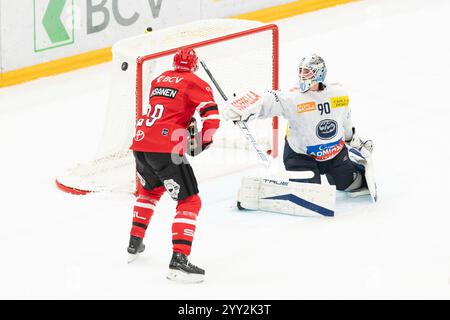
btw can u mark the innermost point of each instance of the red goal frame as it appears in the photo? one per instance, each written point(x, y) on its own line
point(139, 81)
point(275, 74)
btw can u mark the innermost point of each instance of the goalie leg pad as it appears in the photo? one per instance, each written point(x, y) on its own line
point(369, 175)
point(288, 197)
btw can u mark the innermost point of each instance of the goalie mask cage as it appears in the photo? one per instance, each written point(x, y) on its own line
point(241, 54)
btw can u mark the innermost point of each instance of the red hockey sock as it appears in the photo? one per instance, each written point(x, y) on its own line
point(143, 210)
point(183, 227)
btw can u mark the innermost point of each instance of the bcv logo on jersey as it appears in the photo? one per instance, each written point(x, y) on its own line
point(169, 79)
point(326, 129)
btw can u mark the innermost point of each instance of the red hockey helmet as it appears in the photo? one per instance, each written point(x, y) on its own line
point(185, 60)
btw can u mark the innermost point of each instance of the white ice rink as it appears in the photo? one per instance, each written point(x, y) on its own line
point(392, 55)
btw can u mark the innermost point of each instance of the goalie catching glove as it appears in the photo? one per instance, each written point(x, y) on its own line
point(243, 107)
point(195, 143)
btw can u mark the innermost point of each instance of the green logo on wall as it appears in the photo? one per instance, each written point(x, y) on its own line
point(53, 24)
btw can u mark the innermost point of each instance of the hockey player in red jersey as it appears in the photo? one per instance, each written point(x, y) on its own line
point(160, 142)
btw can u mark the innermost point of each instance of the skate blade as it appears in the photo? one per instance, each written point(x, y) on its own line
point(183, 277)
point(132, 257)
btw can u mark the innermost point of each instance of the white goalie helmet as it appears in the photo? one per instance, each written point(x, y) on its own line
point(311, 70)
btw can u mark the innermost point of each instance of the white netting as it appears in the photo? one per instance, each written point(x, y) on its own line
point(243, 62)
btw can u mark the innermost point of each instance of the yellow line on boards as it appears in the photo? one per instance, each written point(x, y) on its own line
point(55, 67)
point(104, 55)
point(290, 9)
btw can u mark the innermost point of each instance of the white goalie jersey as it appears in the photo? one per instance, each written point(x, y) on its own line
point(319, 121)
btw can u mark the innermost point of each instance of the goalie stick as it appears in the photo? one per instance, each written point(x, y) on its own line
point(241, 124)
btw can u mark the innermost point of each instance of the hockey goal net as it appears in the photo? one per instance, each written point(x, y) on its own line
point(240, 53)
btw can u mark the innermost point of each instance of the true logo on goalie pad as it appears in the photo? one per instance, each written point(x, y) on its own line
point(306, 107)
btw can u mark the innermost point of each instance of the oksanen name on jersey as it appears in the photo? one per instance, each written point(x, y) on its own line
point(325, 151)
point(164, 92)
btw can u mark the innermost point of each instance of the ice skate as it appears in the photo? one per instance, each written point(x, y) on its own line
point(135, 247)
point(181, 270)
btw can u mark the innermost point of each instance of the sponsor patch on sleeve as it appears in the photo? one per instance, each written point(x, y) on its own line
point(306, 107)
point(339, 102)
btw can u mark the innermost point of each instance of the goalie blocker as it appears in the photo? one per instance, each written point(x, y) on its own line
point(288, 197)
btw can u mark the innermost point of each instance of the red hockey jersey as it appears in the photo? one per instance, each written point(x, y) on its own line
point(174, 98)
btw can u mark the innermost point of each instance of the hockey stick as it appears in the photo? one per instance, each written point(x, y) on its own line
point(241, 124)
